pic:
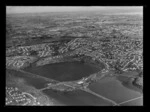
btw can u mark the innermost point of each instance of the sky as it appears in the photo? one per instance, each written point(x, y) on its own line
point(39, 9)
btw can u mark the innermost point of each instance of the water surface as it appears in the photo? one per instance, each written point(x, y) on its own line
point(29, 79)
point(76, 98)
point(137, 102)
point(113, 89)
point(64, 71)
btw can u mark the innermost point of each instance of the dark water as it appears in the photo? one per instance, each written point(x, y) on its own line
point(137, 102)
point(113, 89)
point(64, 71)
point(110, 87)
point(76, 98)
point(34, 81)
point(128, 82)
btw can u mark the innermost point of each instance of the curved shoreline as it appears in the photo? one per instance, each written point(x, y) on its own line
point(128, 83)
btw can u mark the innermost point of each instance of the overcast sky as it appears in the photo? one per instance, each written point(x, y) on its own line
point(38, 9)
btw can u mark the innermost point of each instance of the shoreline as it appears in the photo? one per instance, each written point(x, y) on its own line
point(128, 83)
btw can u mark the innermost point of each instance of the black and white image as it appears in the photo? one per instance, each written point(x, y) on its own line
point(74, 56)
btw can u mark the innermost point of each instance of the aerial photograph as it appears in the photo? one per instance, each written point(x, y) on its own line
point(74, 56)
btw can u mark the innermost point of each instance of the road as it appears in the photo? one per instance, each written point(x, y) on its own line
point(84, 87)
